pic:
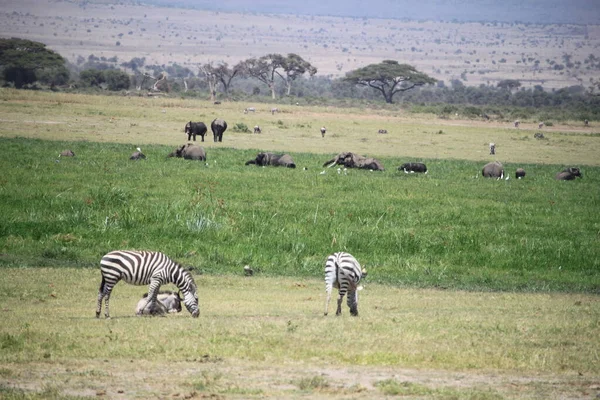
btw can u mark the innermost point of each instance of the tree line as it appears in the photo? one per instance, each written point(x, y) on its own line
point(25, 63)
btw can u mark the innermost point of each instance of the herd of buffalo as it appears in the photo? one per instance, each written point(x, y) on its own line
point(218, 126)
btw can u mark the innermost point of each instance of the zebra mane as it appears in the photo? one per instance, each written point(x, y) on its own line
point(190, 279)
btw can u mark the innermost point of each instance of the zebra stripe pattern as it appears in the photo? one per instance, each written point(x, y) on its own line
point(145, 268)
point(343, 272)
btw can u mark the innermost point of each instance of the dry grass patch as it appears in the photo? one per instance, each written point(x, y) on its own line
point(267, 336)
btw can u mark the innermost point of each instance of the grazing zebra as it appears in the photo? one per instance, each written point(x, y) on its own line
point(323, 131)
point(343, 272)
point(257, 129)
point(274, 110)
point(143, 268)
point(249, 109)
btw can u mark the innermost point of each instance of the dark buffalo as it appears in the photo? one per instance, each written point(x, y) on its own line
point(195, 128)
point(413, 167)
point(218, 127)
point(568, 174)
point(276, 160)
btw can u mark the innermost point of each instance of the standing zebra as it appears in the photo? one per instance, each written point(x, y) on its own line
point(142, 268)
point(343, 272)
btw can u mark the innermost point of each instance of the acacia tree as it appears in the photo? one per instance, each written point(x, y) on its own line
point(389, 77)
point(294, 66)
point(264, 69)
point(24, 61)
point(221, 74)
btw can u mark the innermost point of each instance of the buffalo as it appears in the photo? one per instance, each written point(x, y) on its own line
point(568, 174)
point(413, 167)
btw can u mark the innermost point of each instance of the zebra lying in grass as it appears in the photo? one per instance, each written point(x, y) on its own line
point(143, 268)
point(166, 302)
point(343, 272)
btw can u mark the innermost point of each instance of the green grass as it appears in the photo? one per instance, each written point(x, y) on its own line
point(446, 229)
point(521, 256)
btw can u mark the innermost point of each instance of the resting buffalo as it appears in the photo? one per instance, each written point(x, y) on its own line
point(189, 152)
point(568, 174)
point(276, 160)
point(166, 302)
point(218, 127)
point(413, 167)
point(352, 160)
point(520, 173)
point(493, 170)
point(195, 128)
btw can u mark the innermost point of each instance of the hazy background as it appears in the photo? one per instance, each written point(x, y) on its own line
point(531, 11)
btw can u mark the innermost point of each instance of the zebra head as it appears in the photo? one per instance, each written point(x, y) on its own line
point(190, 296)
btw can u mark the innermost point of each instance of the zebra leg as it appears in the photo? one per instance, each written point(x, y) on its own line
point(339, 303)
point(352, 301)
point(101, 295)
point(328, 291)
point(153, 294)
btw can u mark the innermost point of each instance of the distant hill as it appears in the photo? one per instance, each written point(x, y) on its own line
point(525, 11)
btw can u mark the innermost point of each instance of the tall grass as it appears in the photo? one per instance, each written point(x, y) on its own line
point(446, 229)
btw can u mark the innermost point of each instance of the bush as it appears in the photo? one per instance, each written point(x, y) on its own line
point(240, 127)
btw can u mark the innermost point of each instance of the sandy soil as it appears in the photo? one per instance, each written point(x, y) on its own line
point(212, 377)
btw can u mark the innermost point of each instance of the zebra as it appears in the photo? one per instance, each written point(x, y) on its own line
point(492, 148)
point(257, 129)
point(323, 131)
point(343, 272)
point(274, 110)
point(142, 268)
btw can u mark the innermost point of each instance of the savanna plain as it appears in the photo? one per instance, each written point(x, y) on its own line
point(476, 288)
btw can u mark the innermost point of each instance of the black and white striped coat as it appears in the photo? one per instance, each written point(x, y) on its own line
point(343, 272)
point(145, 268)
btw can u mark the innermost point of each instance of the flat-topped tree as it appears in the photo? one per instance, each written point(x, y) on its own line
point(389, 77)
point(24, 61)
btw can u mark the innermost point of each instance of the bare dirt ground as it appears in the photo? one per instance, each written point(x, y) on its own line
point(476, 53)
point(207, 377)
